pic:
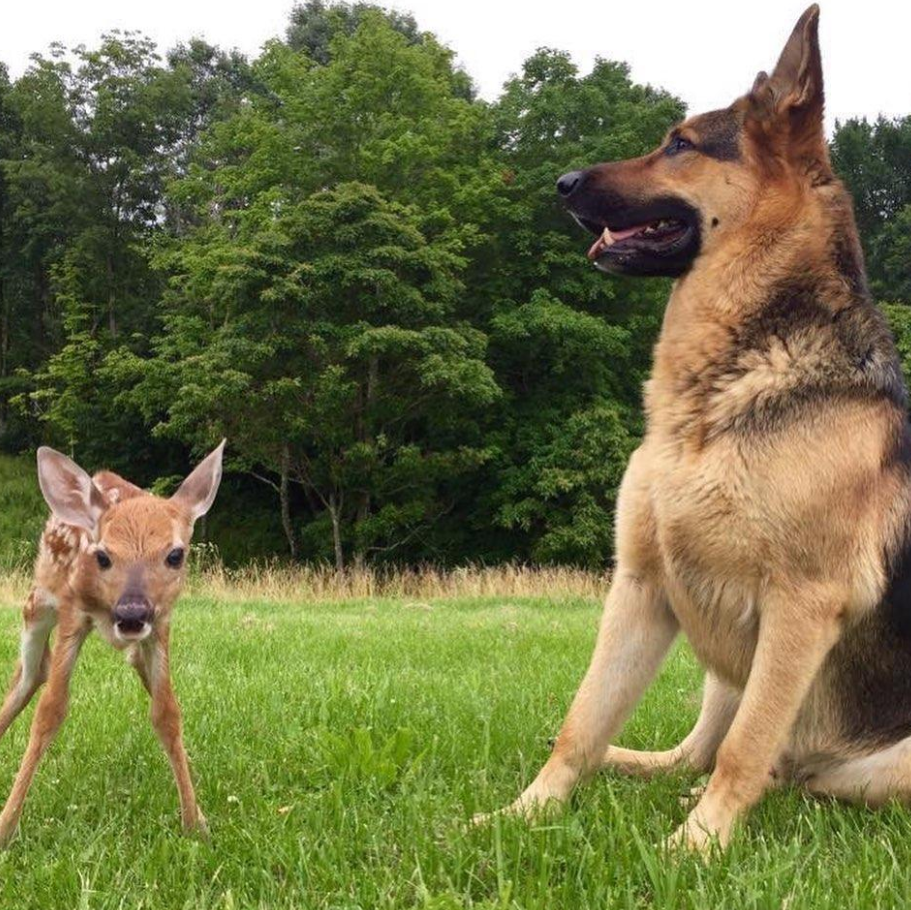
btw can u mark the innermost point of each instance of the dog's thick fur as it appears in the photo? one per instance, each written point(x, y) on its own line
point(767, 512)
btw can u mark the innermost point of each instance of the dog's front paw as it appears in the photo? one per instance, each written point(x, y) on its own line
point(699, 835)
point(691, 795)
point(527, 806)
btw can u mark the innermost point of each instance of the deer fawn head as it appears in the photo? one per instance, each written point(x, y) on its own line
point(133, 564)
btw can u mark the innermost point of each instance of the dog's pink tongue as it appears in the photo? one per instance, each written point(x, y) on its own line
point(609, 238)
point(594, 251)
point(627, 232)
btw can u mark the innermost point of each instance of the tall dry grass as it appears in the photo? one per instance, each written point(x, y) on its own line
point(14, 586)
point(311, 584)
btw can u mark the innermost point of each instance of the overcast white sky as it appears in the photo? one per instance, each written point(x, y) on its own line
point(705, 51)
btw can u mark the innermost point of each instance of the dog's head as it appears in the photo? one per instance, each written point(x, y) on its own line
point(656, 214)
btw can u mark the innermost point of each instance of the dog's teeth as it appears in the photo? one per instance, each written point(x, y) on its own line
point(606, 238)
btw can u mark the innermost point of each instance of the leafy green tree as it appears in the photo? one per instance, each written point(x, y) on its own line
point(314, 25)
point(101, 137)
point(321, 342)
point(565, 437)
point(15, 339)
point(41, 211)
point(382, 111)
point(874, 160)
point(216, 84)
point(890, 254)
point(569, 347)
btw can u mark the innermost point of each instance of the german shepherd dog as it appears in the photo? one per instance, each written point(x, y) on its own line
point(767, 513)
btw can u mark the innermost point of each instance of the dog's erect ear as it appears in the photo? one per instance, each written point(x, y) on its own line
point(197, 493)
point(794, 91)
point(798, 73)
point(68, 490)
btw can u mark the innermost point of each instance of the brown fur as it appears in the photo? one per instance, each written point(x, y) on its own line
point(766, 513)
point(74, 592)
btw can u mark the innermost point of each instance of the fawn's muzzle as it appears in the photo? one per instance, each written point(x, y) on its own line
point(131, 615)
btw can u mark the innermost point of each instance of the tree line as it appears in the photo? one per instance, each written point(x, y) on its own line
point(343, 260)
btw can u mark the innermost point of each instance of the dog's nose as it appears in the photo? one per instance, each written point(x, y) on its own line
point(132, 613)
point(568, 182)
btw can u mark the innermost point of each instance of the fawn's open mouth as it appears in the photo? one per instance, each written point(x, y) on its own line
point(132, 629)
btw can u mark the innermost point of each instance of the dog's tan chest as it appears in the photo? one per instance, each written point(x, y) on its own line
point(713, 558)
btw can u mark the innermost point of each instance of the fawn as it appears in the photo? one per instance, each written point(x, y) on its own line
point(112, 557)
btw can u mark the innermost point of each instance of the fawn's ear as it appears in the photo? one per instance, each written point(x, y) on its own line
point(68, 490)
point(197, 492)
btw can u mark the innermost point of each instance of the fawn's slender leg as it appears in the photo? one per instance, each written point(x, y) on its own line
point(140, 659)
point(50, 714)
point(152, 663)
point(797, 629)
point(697, 751)
point(39, 618)
point(636, 630)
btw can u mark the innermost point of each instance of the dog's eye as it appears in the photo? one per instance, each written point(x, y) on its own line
point(677, 145)
point(175, 558)
point(103, 559)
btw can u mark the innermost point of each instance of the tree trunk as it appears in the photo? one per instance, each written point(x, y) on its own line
point(365, 434)
point(112, 297)
point(336, 533)
point(4, 350)
point(283, 492)
point(4, 333)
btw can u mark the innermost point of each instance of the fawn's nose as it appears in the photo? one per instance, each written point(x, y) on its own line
point(132, 614)
point(568, 182)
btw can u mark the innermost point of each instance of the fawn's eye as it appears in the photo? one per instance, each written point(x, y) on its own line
point(677, 145)
point(103, 559)
point(175, 558)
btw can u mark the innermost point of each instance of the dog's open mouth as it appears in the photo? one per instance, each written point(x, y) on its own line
point(660, 237)
point(653, 235)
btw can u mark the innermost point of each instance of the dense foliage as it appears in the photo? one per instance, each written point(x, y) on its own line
point(340, 258)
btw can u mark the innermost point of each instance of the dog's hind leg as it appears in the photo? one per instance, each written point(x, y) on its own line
point(697, 751)
point(870, 780)
point(39, 617)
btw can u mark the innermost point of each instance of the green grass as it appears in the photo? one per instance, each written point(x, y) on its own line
point(339, 750)
point(22, 511)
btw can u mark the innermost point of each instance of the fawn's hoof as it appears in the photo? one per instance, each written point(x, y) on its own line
point(197, 827)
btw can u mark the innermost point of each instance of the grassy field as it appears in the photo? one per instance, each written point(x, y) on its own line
point(22, 511)
point(340, 747)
